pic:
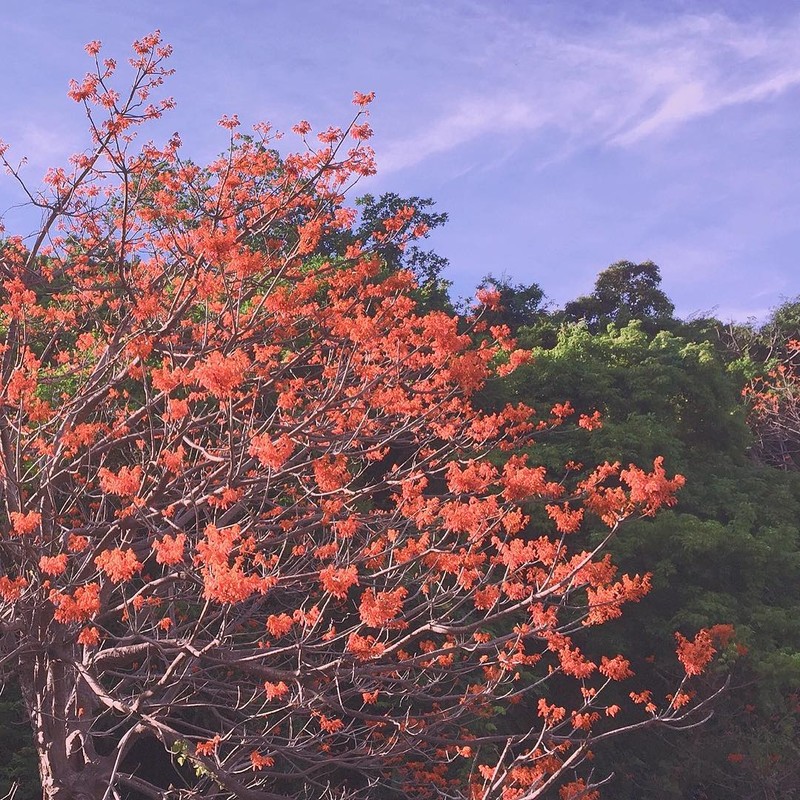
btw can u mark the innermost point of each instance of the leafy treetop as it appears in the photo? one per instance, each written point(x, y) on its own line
point(623, 292)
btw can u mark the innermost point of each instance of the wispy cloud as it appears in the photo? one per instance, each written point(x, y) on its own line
point(471, 118)
point(615, 84)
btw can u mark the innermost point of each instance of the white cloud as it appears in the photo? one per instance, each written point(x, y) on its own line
point(473, 117)
point(682, 104)
point(616, 84)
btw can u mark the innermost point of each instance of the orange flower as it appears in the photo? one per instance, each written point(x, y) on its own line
point(124, 483)
point(487, 597)
point(260, 762)
point(338, 581)
point(53, 565)
point(120, 565)
point(552, 714)
point(77, 544)
point(207, 748)
point(696, 654)
point(591, 423)
point(526, 483)
point(169, 549)
point(329, 724)
point(364, 648)
point(361, 132)
point(11, 588)
point(577, 790)
point(177, 409)
point(80, 606)
point(89, 637)
point(377, 610)
point(617, 668)
point(489, 298)
point(273, 454)
point(567, 520)
point(652, 490)
point(24, 523)
point(276, 691)
point(331, 473)
point(279, 624)
point(222, 374)
point(360, 99)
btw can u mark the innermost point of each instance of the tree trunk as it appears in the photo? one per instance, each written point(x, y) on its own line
point(69, 766)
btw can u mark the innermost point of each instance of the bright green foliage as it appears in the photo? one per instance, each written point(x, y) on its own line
point(659, 394)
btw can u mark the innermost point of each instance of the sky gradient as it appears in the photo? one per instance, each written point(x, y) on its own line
point(560, 137)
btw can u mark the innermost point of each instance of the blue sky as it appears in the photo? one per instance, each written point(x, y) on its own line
point(560, 136)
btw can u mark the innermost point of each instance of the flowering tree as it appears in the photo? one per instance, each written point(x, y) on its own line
point(248, 509)
point(774, 409)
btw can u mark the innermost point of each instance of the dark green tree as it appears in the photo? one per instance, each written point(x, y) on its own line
point(426, 265)
point(624, 292)
point(519, 304)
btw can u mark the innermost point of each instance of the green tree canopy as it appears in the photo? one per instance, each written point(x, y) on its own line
point(518, 305)
point(623, 292)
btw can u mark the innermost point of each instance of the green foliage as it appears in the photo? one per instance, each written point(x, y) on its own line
point(729, 553)
point(784, 322)
point(658, 393)
point(18, 763)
